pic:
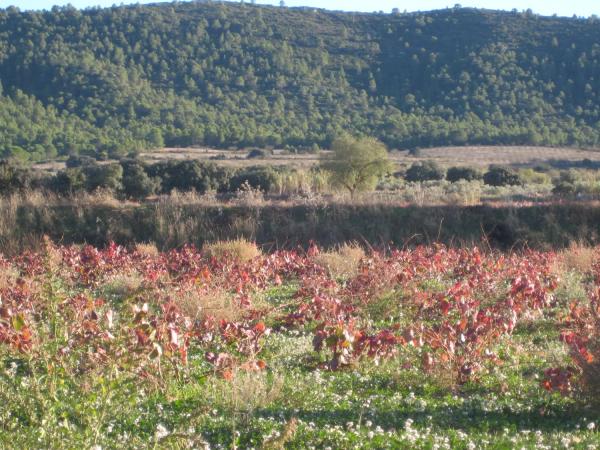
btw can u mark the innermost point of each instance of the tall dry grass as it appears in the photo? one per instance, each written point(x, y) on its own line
point(577, 257)
point(342, 262)
point(238, 249)
point(215, 302)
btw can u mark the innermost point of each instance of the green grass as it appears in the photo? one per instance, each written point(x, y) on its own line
point(50, 400)
point(368, 406)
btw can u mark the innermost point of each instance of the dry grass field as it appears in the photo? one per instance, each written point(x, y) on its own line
point(507, 155)
point(478, 156)
point(233, 158)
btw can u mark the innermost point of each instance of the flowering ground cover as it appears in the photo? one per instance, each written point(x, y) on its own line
point(430, 347)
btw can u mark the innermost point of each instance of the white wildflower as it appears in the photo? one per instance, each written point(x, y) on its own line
point(161, 432)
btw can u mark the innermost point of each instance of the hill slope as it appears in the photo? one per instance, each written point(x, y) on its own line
point(222, 74)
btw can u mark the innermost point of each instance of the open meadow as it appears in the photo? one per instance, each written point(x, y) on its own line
point(229, 347)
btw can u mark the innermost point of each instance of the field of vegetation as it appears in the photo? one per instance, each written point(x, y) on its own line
point(227, 347)
point(220, 231)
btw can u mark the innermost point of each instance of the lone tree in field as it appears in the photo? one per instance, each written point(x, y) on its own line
point(357, 164)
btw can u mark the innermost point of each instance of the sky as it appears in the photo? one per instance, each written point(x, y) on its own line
point(546, 7)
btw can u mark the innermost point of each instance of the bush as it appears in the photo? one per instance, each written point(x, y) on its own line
point(501, 176)
point(104, 177)
point(258, 153)
point(136, 182)
point(190, 175)
point(263, 178)
point(13, 177)
point(80, 161)
point(455, 174)
point(69, 181)
point(530, 176)
point(240, 250)
point(424, 171)
point(564, 188)
point(582, 336)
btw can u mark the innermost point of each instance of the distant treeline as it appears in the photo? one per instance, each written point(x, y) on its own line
point(134, 179)
point(111, 81)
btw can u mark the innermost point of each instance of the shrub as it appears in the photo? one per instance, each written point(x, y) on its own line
point(69, 181)
point(564, 188)
point(136, 182)
point(424, 171)
point(239, 250)
point(13, 177)
point(501, 176)
point(190, 175)
point(530, 176)
point(582, 336)
point(104, 177)
point(80, 161)
point(258, 153)
point(455, 174)
point(263, 178)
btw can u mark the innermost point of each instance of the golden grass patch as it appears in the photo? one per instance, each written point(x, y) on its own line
point(238, 249)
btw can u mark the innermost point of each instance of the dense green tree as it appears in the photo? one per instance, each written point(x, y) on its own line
point(356, 164)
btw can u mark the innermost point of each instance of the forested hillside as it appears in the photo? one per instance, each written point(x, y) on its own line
point(111, 81)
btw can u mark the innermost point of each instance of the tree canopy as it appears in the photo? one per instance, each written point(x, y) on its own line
point(357, 164)
point(112, 81)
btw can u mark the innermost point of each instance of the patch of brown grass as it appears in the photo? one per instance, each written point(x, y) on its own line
point(577, 257)
point(342, 262)
point(8, 277)
point(247, 391)
point(239, 249)
point(216, 302)
point(123, 285)
point(147, 249)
